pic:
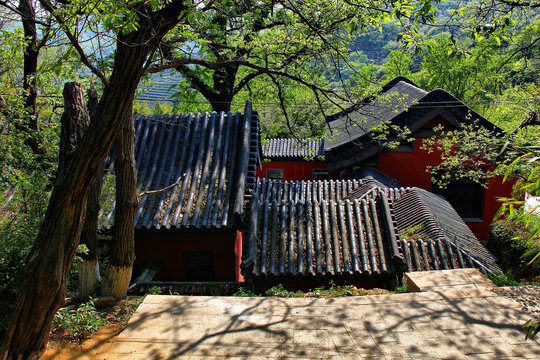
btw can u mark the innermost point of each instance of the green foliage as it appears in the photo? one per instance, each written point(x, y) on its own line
point(528, 167)
point(508, 241)
point(280, 291)
point(413, 232)
point(24, 193)
point(400, 289)
point(141, 108)
point(324, 292)
point(398, 63)
point(159, 109)
point(243, 292)
point(466, 71)
point(154, 290)
point(79, 323)
point(509, 279)
point(532, 328)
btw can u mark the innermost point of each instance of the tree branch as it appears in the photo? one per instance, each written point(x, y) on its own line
point(517, 52)
point(74, 42)
point(215, 65)
point(159, 191)
point(201, 86)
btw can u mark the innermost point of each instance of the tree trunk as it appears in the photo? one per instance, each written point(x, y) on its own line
point(45, 276)
point(122, 257)
point(89, 268)
point(48, 264)
point(31, 53)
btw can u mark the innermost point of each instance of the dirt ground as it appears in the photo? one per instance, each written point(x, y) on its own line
point(92, 349)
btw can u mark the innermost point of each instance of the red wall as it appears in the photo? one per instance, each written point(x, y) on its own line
point(167, 248)
point(409, 168)
point(292, 170)
point(238, 255)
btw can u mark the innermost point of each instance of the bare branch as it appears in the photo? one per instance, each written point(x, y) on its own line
point(159, 191)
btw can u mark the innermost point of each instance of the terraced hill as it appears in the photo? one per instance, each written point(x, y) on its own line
point(159, 88)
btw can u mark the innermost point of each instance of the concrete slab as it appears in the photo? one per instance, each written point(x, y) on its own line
point(458, 324)
point(438, 280)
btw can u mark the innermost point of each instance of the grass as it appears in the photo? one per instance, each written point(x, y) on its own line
point(319, 292)
point(508, 279)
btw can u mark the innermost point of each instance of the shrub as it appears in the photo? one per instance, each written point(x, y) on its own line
point(508, 241)
point(243, 292)
point(280, 291)
point(79, 323)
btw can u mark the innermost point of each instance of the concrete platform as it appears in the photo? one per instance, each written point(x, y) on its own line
point(478, 323)
point(442, 280)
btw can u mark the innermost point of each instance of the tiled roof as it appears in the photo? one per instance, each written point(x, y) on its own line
point(292, 148)
point(212, 158)
point(440, 254)
point(436, 220)
point(297, 229)
point(330, 190)
point(369, 172)
point(317, 238)
point(400, 103)
point(387, 106)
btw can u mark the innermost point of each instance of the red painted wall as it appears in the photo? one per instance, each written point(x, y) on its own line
point(167, 248)
point(292, 170)
point(238, 255)
point(410, 170)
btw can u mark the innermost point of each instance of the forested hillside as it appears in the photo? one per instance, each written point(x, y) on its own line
point(490, 72)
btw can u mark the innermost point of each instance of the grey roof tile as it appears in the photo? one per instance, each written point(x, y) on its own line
point(436, 220)
point(209, 158)
point(322, 228)
point(387, 106)
point(279, 148)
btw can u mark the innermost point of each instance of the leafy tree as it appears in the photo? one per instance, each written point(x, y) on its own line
point(465, 73)
point(156, 110)
point(44, 282)
point(527, 216)
point(237, 42)
point(141, 108)
point(398, 63)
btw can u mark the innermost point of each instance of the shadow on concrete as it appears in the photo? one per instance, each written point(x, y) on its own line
point(450, 325)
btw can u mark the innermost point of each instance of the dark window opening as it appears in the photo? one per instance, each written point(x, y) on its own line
point(321, 174)
point(465, 196)
point(274, 174)
point(199, 265)
point(373, 160)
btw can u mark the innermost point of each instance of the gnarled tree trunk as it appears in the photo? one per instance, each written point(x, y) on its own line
point(116, 279)
point(45, 277)
point(89, 268)
point(30, 56)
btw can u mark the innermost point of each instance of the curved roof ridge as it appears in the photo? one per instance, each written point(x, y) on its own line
point(398, 79)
